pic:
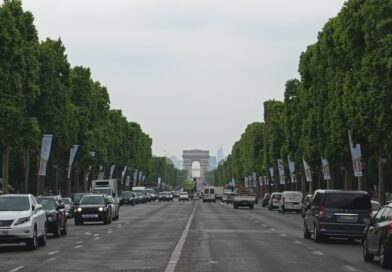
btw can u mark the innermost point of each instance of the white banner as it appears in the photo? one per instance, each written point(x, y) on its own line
point(128, 181)
point(159, 182)
point(134, 176)
point(271, 172)
point(326, 173)
point(123, 172)
point(72, 154)
point(45, 152)
point(308, 172)
point(111, 171)
point(254, 176)
point(356, 156)
point(140, 176)
point(233, 182)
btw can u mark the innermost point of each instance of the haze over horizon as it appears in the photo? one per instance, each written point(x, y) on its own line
point(193, 74)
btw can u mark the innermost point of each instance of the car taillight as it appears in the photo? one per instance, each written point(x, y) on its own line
point(370, 213)
point(322, 212)
point(390, 226)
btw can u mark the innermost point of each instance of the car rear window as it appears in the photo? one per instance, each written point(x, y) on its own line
point(347, 201)
point(212, 191)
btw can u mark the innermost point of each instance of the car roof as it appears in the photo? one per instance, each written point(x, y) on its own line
point(13, 195)
point(330, 191)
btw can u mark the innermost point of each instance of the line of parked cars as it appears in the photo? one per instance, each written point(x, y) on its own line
point(341, 214)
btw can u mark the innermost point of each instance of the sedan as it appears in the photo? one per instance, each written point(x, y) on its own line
point(183, 196)
point(22, 219)
point(127, 197)
point(55, 214)
point(69, 207)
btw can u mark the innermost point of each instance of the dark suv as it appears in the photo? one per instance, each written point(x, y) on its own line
point(55, 214)
point(377, 239)
point(337, 213)
point(93, 207)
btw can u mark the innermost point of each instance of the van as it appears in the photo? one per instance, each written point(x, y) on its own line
point(209, 194)
point(337, 213)
point(291, 201)
point(108, 187)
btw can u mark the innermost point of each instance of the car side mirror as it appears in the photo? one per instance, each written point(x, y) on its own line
point(37, 207)
point(61, 206)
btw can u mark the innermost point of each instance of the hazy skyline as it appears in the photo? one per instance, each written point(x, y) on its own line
point(192, 73)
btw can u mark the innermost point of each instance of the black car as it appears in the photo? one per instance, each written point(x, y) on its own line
point(377, 238)
point(264, 201)
point(93, 208)
point(337, 213)
point(76, 197)
point(127, 197)
point(55, 214)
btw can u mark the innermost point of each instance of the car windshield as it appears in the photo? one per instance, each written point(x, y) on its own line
point(96, 200)
point(77, 197)
point(376, 206)
point(47, 203)
point(17, 203)
point(164, 194)
point(184, 193)
point(347, 201)
point(126, 194)
point(67, 201)
point(276, 196)
point(104, 191)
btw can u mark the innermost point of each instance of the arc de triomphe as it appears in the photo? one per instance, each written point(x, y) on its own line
point(201, 156)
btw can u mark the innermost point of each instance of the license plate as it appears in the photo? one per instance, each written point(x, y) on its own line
point(89, 215)
point(4, 232)
point(347, 218)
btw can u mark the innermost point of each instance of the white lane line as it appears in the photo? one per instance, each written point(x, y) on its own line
point(53, 252)
point(79, 246)
point(110, 232)
point(171, 266)
point(49, 260)
point(95, 235)
point(263, 225)
point(282, 235)
point(80, 242)
point(348, 268)
point(318, 253)
point(297, 242)
point(88, 233)
point(96, 238)
point(272, 229)
point(16, 268)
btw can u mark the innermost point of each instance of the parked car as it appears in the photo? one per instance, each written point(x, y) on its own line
point(290, 201)
point(55, 215)
point(305, 203)
point(337, 213)
point(375, 207)
point(377, 238)
point(93, 207)
point(273, 203)
point(264, 201)
point(183, 196)
point(69, 207)
point(165, 196)
point(127, 197)
point(22, 219)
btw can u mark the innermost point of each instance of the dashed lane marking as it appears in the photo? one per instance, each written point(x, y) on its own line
point(88, 233)
point(79, 246)
point(96, 238)
point(297, 242)
point(272, 229)
point(318, 253)
point(16, 268)
point(348, 268)
point(49, 260)
point(283, 235)
point(53, 252)
point(95, 235)
point(80, 242)
point(263, 225)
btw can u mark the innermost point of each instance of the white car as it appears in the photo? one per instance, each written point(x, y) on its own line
point(183, 196)
point(290, 201)
point(22, 219)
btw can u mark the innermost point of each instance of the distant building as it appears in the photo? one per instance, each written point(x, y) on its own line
point(213, 163)
point(221, 156)
point(177, 163)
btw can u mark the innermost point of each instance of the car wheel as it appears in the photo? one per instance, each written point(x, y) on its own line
point(318, 238)
point(64, 231)
point(32, 243)
point(385, 255)
point(283, 210)
point(366, 256)
point(57, 232)
point(42, 240)
point(307, 234)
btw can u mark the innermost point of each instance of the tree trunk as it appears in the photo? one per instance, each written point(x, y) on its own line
point(381, 185)
point(85, 181)
point(56, 180)
point(6, 158)
point(26, 166)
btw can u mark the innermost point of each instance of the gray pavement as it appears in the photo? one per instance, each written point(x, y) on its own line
point(154, 237)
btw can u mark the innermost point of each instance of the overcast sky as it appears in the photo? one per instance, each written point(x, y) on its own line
point(193, 73)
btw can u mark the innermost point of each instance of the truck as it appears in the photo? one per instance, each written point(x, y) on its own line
point(244, 198)
point(108, 187)
point(219, 192)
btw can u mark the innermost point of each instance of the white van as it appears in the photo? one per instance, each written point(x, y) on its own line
point(290, 201)
point(209, 194)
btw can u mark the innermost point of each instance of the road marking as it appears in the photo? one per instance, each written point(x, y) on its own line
point(79, 246)
point(263, 225)
point(214, 262)
point(272, 229)
point(80, 242)
point(50, 260)
point(96, 238)
point(282, 235)
point(88, 233)
point(171, 266)
point(297, 242)
point(95, 235)
point(16, 269)
point(109, 232)
point(318, 253)
point(348, 268)
point(53, 252)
